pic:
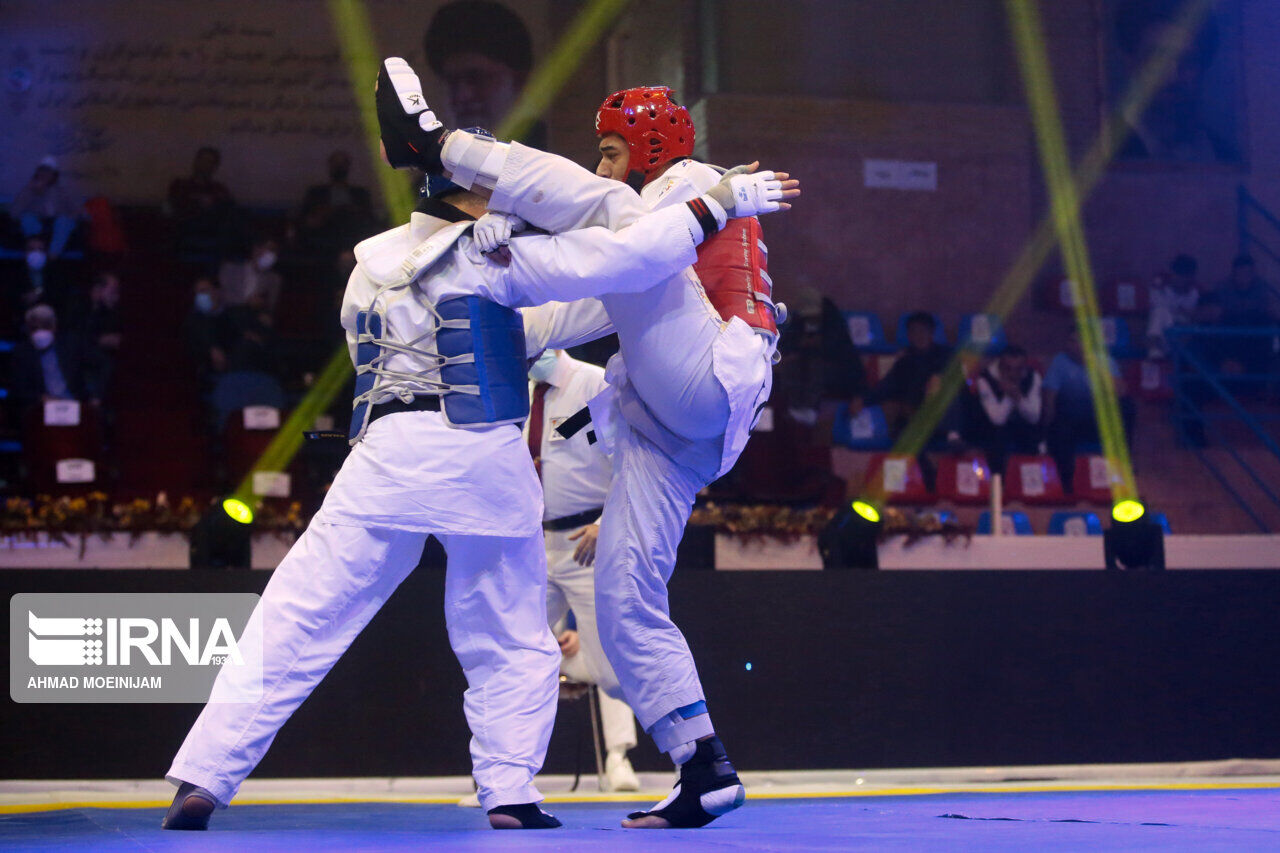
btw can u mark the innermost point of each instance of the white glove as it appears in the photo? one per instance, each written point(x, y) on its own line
point(747, 194)
point(493, 231)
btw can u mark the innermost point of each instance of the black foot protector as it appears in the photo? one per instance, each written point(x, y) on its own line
point(708, 788)
point(190, 809)
point(522, 816)
point(411, 133)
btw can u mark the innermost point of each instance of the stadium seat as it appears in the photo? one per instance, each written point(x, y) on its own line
point(1126, 296)
point(900, 478)
point(1059, 295)
point(939, 333)
point(246, 436)
point(942, 516)
point(1115, 331)
point(1093, 478)
point(1033, 480)
point(1149, 379)
point(1015, 523)
point(964, 479)
point(63, 459)
point(981, 332)
point(867, 332)
point(1075, 524)
point(869, 430)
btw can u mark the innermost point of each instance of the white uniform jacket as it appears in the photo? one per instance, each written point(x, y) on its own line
point(414, 472)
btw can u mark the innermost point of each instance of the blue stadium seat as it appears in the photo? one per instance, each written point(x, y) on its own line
point(1021, 524)
point(982, 333)
point(942, 515)
point(868, 431)
point(939, 333)
point(1075, 524)
point(867, 332)
point(1115, 331)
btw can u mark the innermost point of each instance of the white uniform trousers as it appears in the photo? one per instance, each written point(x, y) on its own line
point(644, 517)
point(572, 587)
point(327, 589)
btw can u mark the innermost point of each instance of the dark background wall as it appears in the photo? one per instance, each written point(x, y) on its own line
point(849, 670)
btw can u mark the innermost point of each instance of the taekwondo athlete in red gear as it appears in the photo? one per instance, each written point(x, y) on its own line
point(684, 391)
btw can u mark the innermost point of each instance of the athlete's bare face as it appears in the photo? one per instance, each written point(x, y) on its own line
point(614, 158)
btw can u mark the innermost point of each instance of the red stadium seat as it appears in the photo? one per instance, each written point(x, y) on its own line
point(964, 479)
point(1093, 478)
point(899, 477)
point(46, 446)
point(1033, 480)
point(1126, 296)
point(244, 444)
point(1149, 379)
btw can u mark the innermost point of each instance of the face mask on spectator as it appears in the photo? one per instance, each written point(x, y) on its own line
point(36, 259)
point(266, 261)
point(204, 303)
point(42, 339)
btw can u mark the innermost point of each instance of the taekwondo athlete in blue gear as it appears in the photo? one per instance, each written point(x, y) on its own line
point(415, 471)
point(685, 390)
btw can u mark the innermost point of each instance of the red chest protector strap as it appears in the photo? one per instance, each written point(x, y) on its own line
point(733, 267)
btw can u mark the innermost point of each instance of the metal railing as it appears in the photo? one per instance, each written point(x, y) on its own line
point(1255, 223)
point(1198, 352)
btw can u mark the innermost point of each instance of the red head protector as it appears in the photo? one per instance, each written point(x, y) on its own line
point(655, 128)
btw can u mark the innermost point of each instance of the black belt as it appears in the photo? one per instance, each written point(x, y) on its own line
point(418, 404)
point(569, 522)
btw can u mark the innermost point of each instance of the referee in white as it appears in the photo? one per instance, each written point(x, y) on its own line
point(575, 475)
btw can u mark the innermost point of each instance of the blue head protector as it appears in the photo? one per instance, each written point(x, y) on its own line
point(437, 185)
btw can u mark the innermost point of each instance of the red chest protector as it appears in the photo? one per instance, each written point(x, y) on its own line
point(733, 267)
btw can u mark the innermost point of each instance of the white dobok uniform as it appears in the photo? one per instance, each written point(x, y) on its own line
point(575, 479)
point(412, 475)
point(683, 394)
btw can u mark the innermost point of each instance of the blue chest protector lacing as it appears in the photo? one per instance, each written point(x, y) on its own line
point(479, 357)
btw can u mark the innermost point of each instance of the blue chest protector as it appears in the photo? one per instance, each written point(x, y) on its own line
point(480, 352)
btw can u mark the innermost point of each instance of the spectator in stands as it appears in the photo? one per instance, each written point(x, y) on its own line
point(253, 324)
point(916, 374)
point(483, 52)
point(208, 332)
point(45, 209)
point(48, 365)
point(35, 273)
point(203, 208)
point(820, 362)
point(1069, 415)
point(1005, 416)
point(334, 216)
point(240, 280)
point(1174, 302)
point(103, 327)
point(1243, 300)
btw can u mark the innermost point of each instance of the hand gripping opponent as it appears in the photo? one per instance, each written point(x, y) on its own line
point(411, 133)
point(745, 192)
point(492, 232)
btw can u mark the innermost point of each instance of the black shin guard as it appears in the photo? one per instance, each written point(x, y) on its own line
point(708, 788)
point(528, 815)
point(190, 809)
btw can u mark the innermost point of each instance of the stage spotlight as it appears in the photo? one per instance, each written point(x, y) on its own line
point(221, 538)
point(1127, 511)
point(849, 540)
point(238, 510)
point(1133, 541)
